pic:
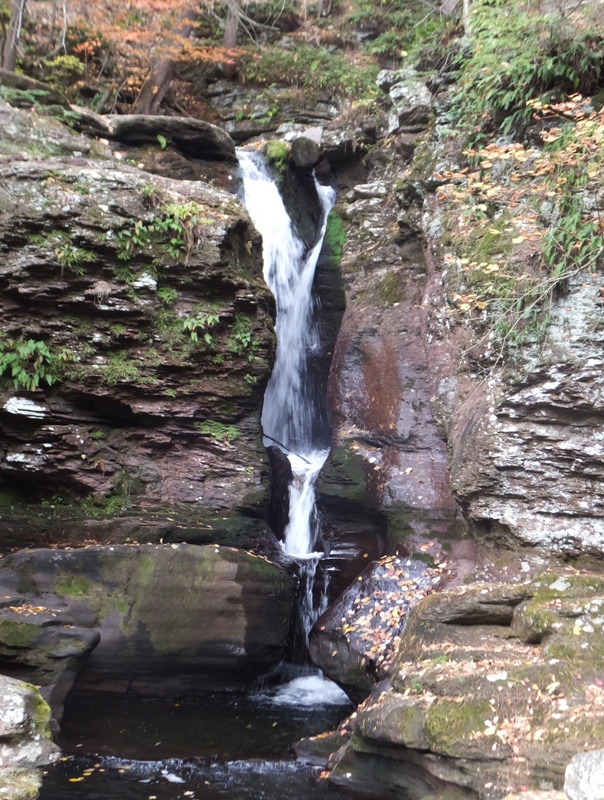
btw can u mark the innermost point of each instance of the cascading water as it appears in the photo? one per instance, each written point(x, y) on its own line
point(287, 418)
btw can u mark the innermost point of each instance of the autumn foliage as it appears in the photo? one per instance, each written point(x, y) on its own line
point(104, 51)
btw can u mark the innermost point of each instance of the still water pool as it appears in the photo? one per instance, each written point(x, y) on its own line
point(214, 747)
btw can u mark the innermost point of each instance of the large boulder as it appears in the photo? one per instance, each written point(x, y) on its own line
point(495, 687)
point(25, 741)
point(411, 101)
point(166, 620)
point(584, 779)
point(355, 642)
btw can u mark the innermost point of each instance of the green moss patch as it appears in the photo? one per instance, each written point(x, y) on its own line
point(450, 723)
point(14, 633)
point(73, 586)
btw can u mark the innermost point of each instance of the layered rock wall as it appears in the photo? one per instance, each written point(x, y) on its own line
point(149, 330)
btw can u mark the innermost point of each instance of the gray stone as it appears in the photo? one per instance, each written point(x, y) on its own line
point(315, 133)
point(537, 462)
point(538, 794)
point(194, 137)
point(25, 740)
point(388, 78)
point(584, 779)
point(343, 146)
point(412, 105)
point(44, 648)
point(305, 152)
point(366, 190)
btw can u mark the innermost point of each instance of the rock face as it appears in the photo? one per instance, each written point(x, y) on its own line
point(25, 740)
point(411, 101)
point(355, 642)
point(389, 456)
point(495, 687)
point(150, 620)
point(137, 335)
point(585, 776)
point(538, 457)
point(430, 418)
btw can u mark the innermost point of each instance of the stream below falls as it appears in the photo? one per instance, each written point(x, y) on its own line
point(214, 747)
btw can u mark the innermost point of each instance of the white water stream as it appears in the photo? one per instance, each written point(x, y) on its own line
point(287, 417)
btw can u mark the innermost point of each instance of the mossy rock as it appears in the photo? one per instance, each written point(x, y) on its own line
point(15, 634)
point(168, 615)
point(344, 477)
point(451, 724)
point(20, 784)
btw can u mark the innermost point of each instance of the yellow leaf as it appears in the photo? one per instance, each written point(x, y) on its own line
point(518, 240)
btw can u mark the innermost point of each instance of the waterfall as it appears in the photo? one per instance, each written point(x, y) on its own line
point(288, 413)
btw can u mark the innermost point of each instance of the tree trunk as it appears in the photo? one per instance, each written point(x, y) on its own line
point(466, 18)
point(157, 83)
point(11, 42)
point(229, 41)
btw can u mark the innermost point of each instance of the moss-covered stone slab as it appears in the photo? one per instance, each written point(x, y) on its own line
point(159, 619)
point(495, 687)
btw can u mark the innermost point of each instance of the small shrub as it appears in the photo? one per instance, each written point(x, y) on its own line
point(335, 236)
point(201, 325)
point(516, 56)
point(173, 232)
point(315, 69)
point(218, 431)
point(27, 364)
point(277, 153)
point(64, 70)
point(167, 296)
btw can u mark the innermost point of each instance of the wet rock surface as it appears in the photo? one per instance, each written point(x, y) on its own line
point(147, 620)
point(495, 688)
point(355, 642)
point(25, 741)
point(389, 455)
